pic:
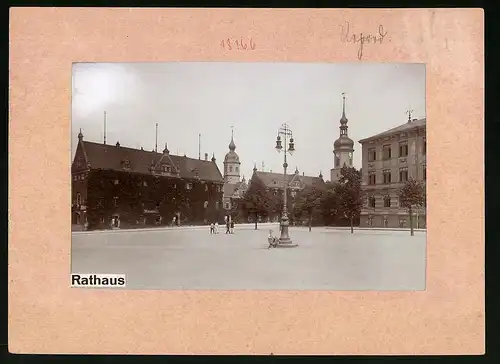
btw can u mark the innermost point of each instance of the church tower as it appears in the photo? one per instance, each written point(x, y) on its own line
point(232, 164)
point(343, 148)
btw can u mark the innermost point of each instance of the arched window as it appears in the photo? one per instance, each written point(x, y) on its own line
point(337, 160)
point(78, 199)
point(230, 168)
point(236, 169)
point(205, 205)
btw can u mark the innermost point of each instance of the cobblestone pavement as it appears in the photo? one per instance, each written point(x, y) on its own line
point(326, 259)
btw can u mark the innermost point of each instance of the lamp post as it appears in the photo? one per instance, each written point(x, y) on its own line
point(285, 130)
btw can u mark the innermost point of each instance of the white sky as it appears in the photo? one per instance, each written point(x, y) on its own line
point(186, 99)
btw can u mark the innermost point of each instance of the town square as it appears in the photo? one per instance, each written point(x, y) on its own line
point(191, 258)
point(287, 206)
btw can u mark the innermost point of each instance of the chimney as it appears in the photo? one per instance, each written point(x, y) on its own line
point(303, 174)
point(206, 156)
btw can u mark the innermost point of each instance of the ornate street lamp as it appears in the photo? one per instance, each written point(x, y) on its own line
point(286, 132)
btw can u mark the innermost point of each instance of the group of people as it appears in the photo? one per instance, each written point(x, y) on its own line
point(214, 227)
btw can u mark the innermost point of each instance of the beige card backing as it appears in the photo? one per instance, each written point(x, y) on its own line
point(46, 316)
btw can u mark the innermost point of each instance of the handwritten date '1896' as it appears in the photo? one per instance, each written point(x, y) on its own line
point(238, 44)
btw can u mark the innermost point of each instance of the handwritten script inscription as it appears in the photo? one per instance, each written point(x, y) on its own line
point(241, 44)
point(361, 38)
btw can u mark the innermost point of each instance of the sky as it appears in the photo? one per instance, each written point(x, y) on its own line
point(252, 99)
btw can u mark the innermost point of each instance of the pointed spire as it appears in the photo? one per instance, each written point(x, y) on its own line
point(343, 119)
point(243, 180)
point(320, 174)
point(255, 167)
point(80, 135)
point(213, 157)
point(118, 143)
point(296, 170)
point(166, 151)
point(232, 146)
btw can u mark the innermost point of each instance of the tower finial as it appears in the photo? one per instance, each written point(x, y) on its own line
point(343, 119)
point(254, 167)
point(232, 146)
point(409, 111)
point(213, 157)
point(80, 135)
point(104, 126)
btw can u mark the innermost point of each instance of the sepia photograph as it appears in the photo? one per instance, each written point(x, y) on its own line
point(248, 176)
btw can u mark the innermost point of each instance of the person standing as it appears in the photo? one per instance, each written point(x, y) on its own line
point(232, 227)
point(216, 227)
point(212, 228)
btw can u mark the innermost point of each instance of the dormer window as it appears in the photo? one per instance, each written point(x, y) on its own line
point(206, 188)
point(189, 186)
point(274, 182)
point(126, 164)
point(79, 163)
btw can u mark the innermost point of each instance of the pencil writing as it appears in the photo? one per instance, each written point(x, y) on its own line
point(361, 38)
point(230, 44)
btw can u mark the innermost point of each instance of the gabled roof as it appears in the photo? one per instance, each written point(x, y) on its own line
point(231, 188)
point(398, 129)
point(111, 157)
point(268, 178)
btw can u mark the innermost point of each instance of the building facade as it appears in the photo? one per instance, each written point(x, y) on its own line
point(137, 187)
point(275, 183)
point(343, 148)
point(389, 159)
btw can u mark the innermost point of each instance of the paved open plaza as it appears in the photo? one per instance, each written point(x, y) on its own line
point(192, 259)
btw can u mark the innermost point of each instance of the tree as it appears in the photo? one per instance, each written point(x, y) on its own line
point(350, 197)
point(411, 196)
point(308, 201)
point(257, 200)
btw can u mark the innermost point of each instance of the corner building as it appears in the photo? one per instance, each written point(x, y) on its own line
point(389, 159)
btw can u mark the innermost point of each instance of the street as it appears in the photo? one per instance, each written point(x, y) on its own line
point(192, 259)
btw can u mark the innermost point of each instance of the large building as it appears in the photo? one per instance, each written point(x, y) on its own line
point(389, 159)
point(139, 187)
point(343, 148)
point(275, 182)
point(234, 186)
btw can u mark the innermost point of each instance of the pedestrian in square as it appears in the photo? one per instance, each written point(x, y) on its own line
point(212, 228)
point(216, 227)
point(232, 227)
point(228, 227)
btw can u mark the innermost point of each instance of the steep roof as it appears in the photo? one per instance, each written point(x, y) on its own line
point(268, 178)
point(111, 157)
point(398, 129)
point(231, 188)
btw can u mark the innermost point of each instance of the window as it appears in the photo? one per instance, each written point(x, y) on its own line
point(116, 181)
point(387, 176)
point(78, 199)
point(372, 155)
point(75, 178)
point(274, 182)
point(100, 202)
point(174, 186)
point(189, 186)
point(205, 204)
point(206, 187)
point(403, 174)
point(337, 160)
point(371, 202)
point(403, 149)
point(82, 177)
point(371, 178)
point(424, 147)
point(126, 164)
point(230, 168)
point(227, 205)
point(386, 152)
point(115, 201)
point(293, 193)
point(79, 163)
point(217, 205)
point(166, 168)
point(236, 169)
point(424, 172)
point(102, 219)
point(387, 201)
point(145, 184)
point(275, 192)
